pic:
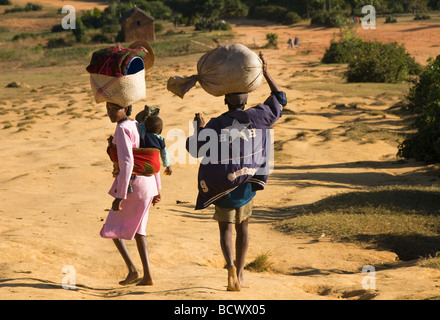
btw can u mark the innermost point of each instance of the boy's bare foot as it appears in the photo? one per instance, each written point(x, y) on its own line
point(132, 276)
point(241, 281)
point(233, 284)
point(145, 282)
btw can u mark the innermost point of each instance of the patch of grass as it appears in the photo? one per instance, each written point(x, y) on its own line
point(404, 220)
point(361, 132)
point(260, 264)
point(431, 262)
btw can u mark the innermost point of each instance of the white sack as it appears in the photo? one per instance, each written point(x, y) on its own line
point(227, 69)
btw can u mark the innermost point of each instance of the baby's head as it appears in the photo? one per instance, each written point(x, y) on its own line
point(154, 124)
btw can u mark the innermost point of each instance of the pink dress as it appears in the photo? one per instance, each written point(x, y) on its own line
point(133, 217)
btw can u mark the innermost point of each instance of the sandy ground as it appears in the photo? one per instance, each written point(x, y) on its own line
point(55, 176)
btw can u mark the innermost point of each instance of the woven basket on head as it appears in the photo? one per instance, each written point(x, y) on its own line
point(123, 91)
point(128, 89)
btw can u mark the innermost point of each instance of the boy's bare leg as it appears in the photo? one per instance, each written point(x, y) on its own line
point(241, 248)
point(133, 274)
point(228, 252)
point(142, 245)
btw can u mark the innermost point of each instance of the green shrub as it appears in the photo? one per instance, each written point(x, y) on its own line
point(14, 9)
point(274, 13)
point(379, 62)
point(57, 43)
point(424, 102)
point(101, 38)
point(291, 18)
point(57, 28)
point(272, 41)
point(329, 19)
point(80, 31)
point(270, 12)
point(29, 7)
point(212, 24)
point(33, 7)
point(422, 17)
point(24, 36)
point(5, 2)
point(390, 19)
point(342, 51)
point(92, 18)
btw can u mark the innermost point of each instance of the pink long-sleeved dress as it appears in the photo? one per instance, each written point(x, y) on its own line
point(132, 219)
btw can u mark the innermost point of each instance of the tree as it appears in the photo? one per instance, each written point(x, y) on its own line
point(80, 31)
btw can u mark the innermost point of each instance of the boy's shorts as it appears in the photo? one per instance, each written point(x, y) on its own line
point(233, 215)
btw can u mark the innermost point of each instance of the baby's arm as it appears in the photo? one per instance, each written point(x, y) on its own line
point(166, 161)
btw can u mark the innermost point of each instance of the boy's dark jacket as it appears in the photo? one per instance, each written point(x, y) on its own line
point(252, 165)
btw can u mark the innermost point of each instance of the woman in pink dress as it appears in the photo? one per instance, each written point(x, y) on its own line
point(128, 216)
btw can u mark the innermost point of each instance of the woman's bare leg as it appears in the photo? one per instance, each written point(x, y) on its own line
point(142, 245)
point(133, 274)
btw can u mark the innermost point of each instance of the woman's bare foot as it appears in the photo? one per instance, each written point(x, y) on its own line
point(145, 282)
point(233, 284)
point(132, 276)
point(243, 284)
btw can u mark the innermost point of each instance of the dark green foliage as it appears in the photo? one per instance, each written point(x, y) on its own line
point(24, 36)
point(379, 62)
point(291, 18)
point(424, 102)
point(29, 7)
point(92, 18)
point(390, 19)
point(274, 13)
point(57, 28)
point(272, 41)
point(329, 19)
point(342, 51)
point(57, 43)
point(212, 24)
point(80, 31)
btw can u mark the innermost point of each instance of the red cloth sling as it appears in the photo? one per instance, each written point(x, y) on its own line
point(146, 160)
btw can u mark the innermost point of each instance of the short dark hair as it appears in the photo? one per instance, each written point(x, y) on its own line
point(154, 124)
point(236, 100)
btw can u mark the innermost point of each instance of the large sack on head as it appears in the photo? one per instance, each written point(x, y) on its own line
point(227, 69)
point(117, 74)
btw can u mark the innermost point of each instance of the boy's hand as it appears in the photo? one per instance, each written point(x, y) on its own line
point(264, 63)
point(116, 205)
point(200, 121)
point(168, 171)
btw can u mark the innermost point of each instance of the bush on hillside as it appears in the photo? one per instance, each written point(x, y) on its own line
point(274, 13)
point(212, 24)
point(379, 62)
point(291, 18)
point(342, 51)
point(424, 102)
point(329, 19)
point(272, 41)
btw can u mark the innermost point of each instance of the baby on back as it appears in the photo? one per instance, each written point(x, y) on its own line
point(150, 128)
